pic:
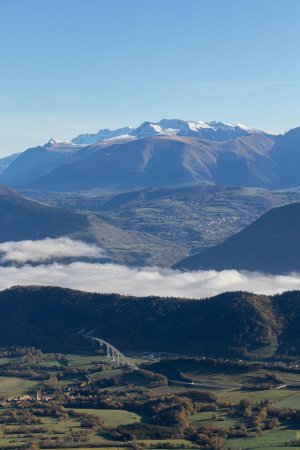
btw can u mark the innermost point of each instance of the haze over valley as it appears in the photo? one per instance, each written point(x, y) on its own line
point(181, 197)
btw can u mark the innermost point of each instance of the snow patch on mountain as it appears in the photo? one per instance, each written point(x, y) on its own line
point(103, 134)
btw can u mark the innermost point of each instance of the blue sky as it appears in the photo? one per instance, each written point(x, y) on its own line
point(71, 66)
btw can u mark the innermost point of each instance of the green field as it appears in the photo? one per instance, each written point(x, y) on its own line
point(113, 417)
point(15, 386)
point(270, 439)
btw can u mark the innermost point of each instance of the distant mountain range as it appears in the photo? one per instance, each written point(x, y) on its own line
point(167, 153)
point(271, 244)
point(160, 161)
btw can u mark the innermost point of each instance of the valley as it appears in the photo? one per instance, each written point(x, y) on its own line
point(84, 400)
point(230, 379)
point(149, 225)
point(40, 220)
point(193, 218)
point(151, 196)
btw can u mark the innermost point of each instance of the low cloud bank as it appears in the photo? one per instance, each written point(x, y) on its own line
point(106, 278)
point(47, 250)
point(109, 277)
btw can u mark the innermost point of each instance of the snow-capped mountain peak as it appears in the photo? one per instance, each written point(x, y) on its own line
point(216, 131)
point(51, 142)
point(147, 129)
point(55, 143)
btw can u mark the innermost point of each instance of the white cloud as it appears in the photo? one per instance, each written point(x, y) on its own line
point(47, 249)
point(108, 278)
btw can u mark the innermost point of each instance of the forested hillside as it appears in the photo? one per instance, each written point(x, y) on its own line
point(228, 323)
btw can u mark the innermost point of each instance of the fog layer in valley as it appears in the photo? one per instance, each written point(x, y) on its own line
point(47, 249)
point(109, 277)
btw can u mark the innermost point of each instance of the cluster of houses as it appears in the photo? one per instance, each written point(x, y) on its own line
point(22, 399)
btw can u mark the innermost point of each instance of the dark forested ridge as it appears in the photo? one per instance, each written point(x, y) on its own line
point(235, 322)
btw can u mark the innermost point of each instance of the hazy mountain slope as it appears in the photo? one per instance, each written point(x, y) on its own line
point(286, 156)
point(22, 218)
point(245, 162)
point(7, 161)
point(271, 244)
point(144, 162)
point(35, 162)
point(50, 318)
point(163, 161)
point(25, 167)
